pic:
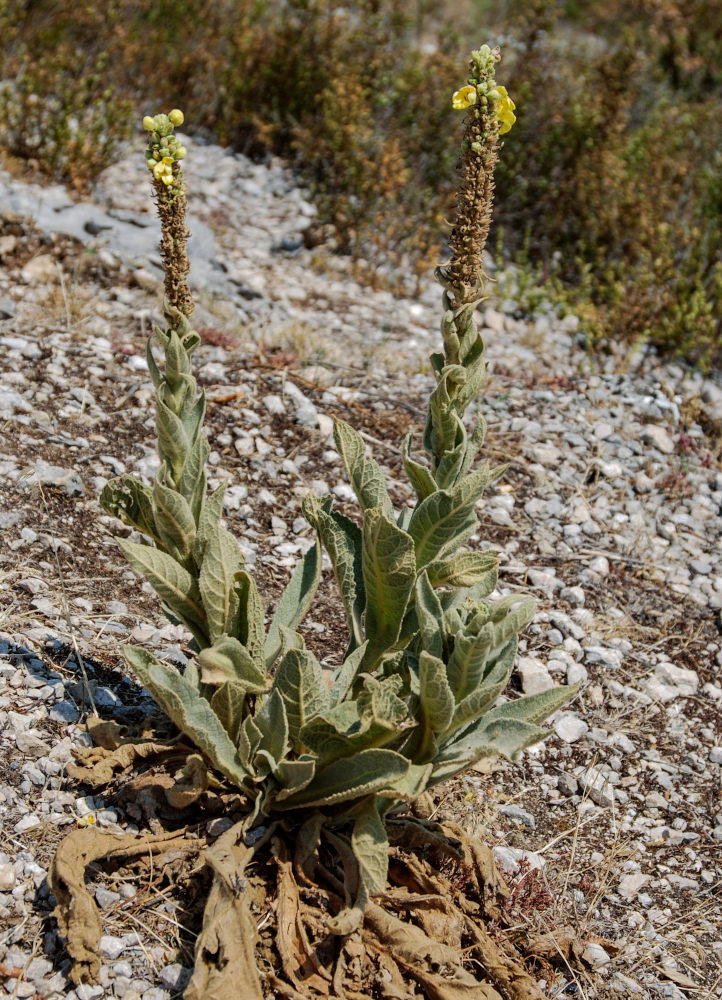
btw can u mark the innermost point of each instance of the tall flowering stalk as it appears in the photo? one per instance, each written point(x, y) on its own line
point(461, 369)
point(163, 157)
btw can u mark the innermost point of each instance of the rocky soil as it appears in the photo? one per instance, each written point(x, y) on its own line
point(609, 513)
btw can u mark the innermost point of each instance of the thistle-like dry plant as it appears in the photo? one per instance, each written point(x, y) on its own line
point(414, 701)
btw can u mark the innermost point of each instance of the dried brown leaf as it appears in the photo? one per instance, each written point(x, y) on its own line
point(76, 913)
point(225, 961)
point(190, 786)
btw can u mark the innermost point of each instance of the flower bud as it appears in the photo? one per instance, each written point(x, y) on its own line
point(151, 163)
point(181, 153)
point(148, 123)
point(176, 117)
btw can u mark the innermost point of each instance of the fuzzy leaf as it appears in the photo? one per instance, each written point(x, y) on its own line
point(419, 476)
point(247, 620)
point(412, 784)
point(429, 616)
point(249, 742)
point(273, 724)
point(295, 600)
point(173, 441)
point(330, 739)
point(173, 520)
point(370, 845)
point(485, 686)
point(468, 661)
point(169, 579)
point(510, 620)
point(192, 482)
point(300, 682)
point(368, 772)
point(507, 738)
point(446, 519)
point(378, 699)
point(437, 700)
point(229, 660)
point(346, 674)
point(189, 711)
point(389, 572)
point(365, 474)
point(341, 538)
point(466, 569)
point(222, 560)
point(208, 521)
point(131, 501)
point(533, 707)
point(228, 702)
point(295, 775)
point(452, 458)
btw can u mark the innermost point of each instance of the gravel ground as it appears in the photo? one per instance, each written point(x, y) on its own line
point(609, 513)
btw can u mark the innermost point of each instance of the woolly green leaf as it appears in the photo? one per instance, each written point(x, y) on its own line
point(446, 519)
point(419, 476)
point(324, 739)
point(367, 772)
point(192, 675)
point(294, 776)
point(533, 707)
point(228, 702)
point(173, 520)
point(189, 711)
point(507, 738)
point(483, 685)
point(370, 845)
point(229, 660)
point(467, 662)
point(192, 482)
point(451, 461)
point(247, 620)
point(153, 368)
point(346, 674)
point(429, 616)
point(222, 560)
point(208, 521)
point(300, 682)
point(509, 620)
point(365, 474)
point(168, 578)
point(273, 724)
point(466, 569)
point(389, 572)
point(378, 699)
point(436, 698)
point(173, 441)
point(295, 600)
point(249, 742)
point(413, 783)
point(341, 538)
point(131, 502)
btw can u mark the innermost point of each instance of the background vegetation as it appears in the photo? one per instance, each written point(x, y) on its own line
point(609, 188)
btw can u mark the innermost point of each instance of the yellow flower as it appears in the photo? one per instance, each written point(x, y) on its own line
point(163, 171)
point(505, 111)
point(463, 98)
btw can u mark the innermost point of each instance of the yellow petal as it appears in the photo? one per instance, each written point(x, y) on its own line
point(463, 98)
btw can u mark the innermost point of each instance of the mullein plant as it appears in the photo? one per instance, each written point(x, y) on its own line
point(331, 767)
